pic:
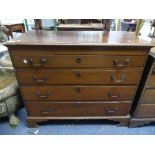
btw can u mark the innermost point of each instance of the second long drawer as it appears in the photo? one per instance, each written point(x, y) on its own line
point(78, 93)
point(78, 76)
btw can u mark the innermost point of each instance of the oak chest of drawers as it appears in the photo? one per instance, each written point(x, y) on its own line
point(78, 75)
point(144, 109)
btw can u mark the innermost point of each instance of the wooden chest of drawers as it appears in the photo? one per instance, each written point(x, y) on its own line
point(144, 109)
point(78, 75)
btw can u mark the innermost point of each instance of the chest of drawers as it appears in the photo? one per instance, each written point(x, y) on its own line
point(144, 109)
point(78, 75)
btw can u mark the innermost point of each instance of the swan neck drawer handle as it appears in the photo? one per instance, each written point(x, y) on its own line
point(42, 61)
point(114, 96)
point(45, 112)
point(118, 81)
point(43, 96)
point(118, 65)
point(41, 80)
point(111, 111)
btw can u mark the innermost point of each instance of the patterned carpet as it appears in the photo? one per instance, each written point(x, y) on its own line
point(72, 128)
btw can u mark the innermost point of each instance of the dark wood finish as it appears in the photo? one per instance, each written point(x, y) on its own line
point(80, 93)
point(82, 75)
point(69, 109)
point(88, 21)
point(122, 121)
point(148, 96)
point(138, 122)
point(151, 81)
point(84, 25)
point(82, 38)
point(144, 112)
point(43, 51)
point(107, 61)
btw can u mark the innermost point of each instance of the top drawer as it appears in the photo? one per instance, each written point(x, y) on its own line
point(106, 61)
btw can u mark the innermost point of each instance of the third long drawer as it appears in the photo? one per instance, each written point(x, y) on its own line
point(78, 93)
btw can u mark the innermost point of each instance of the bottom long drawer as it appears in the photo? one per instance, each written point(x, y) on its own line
point(78, 108)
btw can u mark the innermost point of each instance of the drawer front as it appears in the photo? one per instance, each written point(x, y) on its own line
point(146, 110)
point(92, 76)
point(79, 93)
point(151, 81)
point(113, 61)
point(148, 96)
point(46, 109)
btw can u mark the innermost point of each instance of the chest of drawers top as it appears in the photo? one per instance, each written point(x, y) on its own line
point(81, 38)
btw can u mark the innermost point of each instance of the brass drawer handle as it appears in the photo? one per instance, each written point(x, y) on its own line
point(118, 65)
point(43, 96)
point(42, 80)
point(118, 81)
point(78, 74)
point(78, 90)
point(45, 112)
point(114, 96)
point(78, 60)
point(42, 61)
point(111, 111)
